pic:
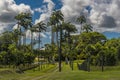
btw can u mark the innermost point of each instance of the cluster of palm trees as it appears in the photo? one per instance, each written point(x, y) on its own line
point(62, 42)
point(24, 24)
point(60, 29)
point(24, 21)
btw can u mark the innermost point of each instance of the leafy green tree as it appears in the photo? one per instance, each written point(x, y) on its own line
point(89, 50)
point(115, 44)
point(3, 60)
point(102, 53)
point(111, 57)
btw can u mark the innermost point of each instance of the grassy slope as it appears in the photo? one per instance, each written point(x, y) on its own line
point(9, 74)
point(67, 74)
point(50, 73)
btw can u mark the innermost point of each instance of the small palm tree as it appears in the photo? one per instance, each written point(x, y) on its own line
point(81, 19)
point(69, 28)
point(40, 27)
point(87, 28)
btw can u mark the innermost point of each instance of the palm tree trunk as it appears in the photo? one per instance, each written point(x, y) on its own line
point(38, 53)
point(69, 46)
point(32, 41)
point(89, 63)
point(19, 35)
point(52, 38)
point(60, 49)
point(81, 29)
point(25, 37)
point(39, 41)
point(57, 38)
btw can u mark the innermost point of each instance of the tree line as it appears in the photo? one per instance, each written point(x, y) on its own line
point(89, 45)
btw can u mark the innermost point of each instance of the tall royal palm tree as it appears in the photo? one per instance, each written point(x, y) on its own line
point(25, 20)
point(52, 24)
point(55, 21)
point(19, 18)
point(32, 29)
point(87, 28)
point(59, 19)
point(16, 35)
point(81, 19)
point(27, 23)
point(40, 27)
point(69, 28)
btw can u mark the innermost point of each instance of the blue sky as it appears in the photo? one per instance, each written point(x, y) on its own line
point(33, 4)
point(38, 4)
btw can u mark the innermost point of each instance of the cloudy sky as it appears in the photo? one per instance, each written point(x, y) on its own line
point(102, 14)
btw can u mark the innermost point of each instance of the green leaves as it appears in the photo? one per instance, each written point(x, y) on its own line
point(39, 27)
point(81, 19)
point(24, 19)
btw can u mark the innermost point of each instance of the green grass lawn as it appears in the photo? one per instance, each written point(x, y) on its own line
point(50, 73)
point(10, 74)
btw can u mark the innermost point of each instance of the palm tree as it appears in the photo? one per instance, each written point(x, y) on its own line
point(32, 29)
point(25, 20)
point(19, 18)
point(55, 21)
point(40, 27)
point(70, 28)
point(87, 28)
point(81, 19)
point(27, 23)
point(52, 24)
point(59, 18)
point(16, 33)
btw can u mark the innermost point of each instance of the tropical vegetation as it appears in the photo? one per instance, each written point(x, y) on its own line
point(84, 50)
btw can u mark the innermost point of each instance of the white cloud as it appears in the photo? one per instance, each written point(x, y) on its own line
point(47, 10)
point(8, 10)
point(43, 9)
point(35, 35)
point(74, 8)
point(104, 15)
point(46, 13)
